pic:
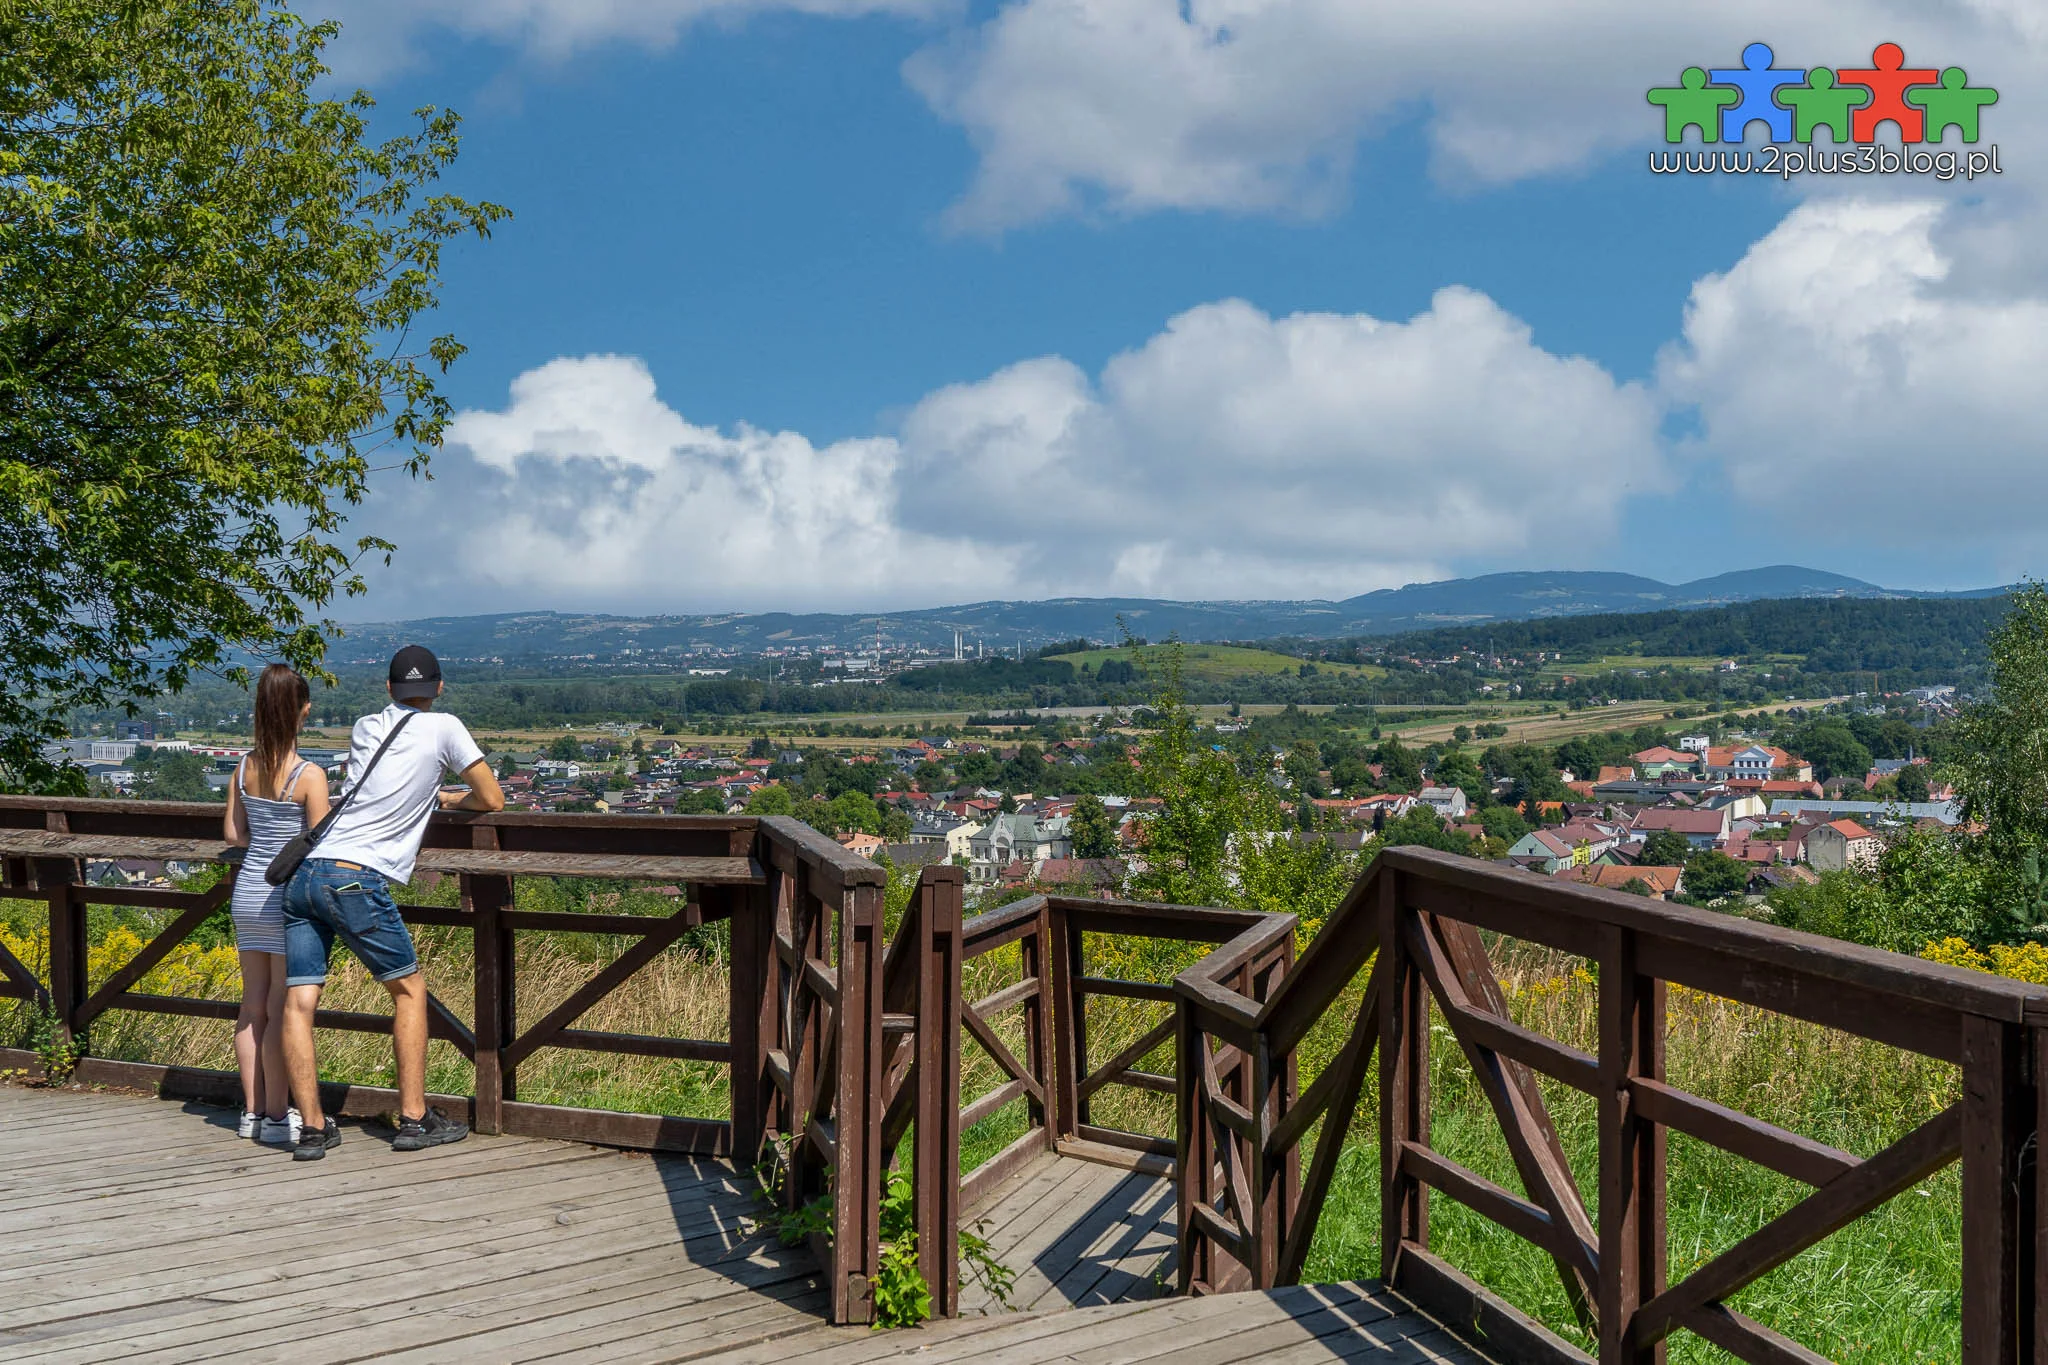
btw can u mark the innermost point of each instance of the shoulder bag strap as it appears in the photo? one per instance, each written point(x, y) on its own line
point(368, 768)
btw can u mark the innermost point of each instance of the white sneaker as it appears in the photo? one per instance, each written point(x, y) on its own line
point(282, 1132)
point(247, 1127)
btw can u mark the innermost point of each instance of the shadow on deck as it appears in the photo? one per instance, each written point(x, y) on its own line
point(144, 1230)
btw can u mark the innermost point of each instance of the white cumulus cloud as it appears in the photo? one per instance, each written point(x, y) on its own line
point(1233, 454)
point(1259, 105)
point(1850, 391)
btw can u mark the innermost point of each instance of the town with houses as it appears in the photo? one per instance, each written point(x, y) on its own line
point(1630, 825)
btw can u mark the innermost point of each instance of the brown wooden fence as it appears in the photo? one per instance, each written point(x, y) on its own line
point(842, 1045)
point(1415, 922)
point(806, 1031)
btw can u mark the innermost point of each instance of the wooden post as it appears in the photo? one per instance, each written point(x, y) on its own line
point(57, 879)
point(496, 1015)
point(2038, 1298)
point(1276, 1184)
point(753, 1010)
point(1034, 956)
point(803, 1033)
point(857, 1109)
point(1998, 1108)
point(1631, 1151)
point(1404, 1082)
point(1069, 1055)
point(1192, 1158)
point(936, 1154)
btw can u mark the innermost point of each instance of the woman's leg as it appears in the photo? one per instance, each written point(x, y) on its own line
point(250, 1020)
point(277, 1090)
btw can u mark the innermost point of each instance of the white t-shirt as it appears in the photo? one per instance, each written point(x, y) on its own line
point(383, 824)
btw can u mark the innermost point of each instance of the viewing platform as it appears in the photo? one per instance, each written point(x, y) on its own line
point(1167, 1139)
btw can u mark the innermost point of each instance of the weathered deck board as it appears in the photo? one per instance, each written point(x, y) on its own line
point(1079, 1235)
point(145, 1231)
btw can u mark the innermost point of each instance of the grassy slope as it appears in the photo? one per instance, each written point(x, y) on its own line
point(1218, 663)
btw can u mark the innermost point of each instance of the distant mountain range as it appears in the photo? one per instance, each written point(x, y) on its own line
point(1004, 626)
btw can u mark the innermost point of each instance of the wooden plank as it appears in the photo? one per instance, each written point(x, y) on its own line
point(1995, 1109)
point(1147, 1042)
point(1631, 1184)
point(1668, 929)
point(1787, 1153)
point(1000, 1053)
point(993, 929)
point(1518, 1105)
point(645, 1045)
point(1896, 1169)
point(1404, 1080)
point(610, 978)
point(1124, 990)
point(1526, 1220)
point(1009, 997)
point(981, 1108)
point(985, 1181)
point(631, 867)
point(1339, 1104)
point(1151, 1161)
point(1487, 1320)
point(1747, 1339)
point(644, 1132)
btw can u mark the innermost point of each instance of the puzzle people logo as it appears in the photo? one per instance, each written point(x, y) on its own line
point(1721, 104)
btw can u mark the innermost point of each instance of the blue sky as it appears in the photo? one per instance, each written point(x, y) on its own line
point(811, 310)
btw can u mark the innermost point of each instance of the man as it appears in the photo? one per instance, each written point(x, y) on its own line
point(343, 888)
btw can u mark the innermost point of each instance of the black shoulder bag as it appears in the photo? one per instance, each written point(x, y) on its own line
point(292, 854)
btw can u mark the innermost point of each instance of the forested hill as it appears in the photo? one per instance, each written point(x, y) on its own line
point(1829, 635)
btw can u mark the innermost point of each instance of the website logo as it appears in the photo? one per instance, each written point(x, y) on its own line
point(1922, 104)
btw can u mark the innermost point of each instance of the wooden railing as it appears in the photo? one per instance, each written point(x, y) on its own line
point(841, 1047)
point(1415, 919)
point(805, 1024)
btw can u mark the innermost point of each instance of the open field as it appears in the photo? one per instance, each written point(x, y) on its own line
point(1219, 663)
point(1697, 663)
point(1541, 729)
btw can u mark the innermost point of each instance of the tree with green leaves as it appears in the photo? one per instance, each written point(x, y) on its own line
point(1092, 831)
point(2000, 768)
point(1665, 848)
point(566, 749)
point(211, 283)
point(1711, 875)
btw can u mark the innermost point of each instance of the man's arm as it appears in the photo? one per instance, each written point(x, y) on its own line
point(484, 793)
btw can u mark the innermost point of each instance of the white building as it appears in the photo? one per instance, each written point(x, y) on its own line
point(1449, 802)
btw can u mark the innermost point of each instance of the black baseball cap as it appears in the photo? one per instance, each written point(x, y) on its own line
point(415, 673)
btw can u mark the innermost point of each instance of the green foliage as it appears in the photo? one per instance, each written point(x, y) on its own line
point(1711, 875)
point(1504, 823)
point(903, 1297)
point(1092, 831)
point(208, 281)
point(1928, 885)
point(566, 749)
point(1424, 828)
point(1665, 848)
point(175, 775)
point(1206, 801)
point(2001, 765)
point(59, 1055)
point(1832, 748)
point(776, 800)
point(978, 1257)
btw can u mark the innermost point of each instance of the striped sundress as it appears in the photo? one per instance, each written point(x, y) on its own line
point(258, 907)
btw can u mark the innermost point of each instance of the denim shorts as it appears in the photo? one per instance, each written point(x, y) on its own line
point(325, 899)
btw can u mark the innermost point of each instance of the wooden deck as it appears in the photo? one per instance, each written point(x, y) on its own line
point(143, 1230)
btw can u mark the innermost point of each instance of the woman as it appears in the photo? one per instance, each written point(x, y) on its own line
point(275, 795)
